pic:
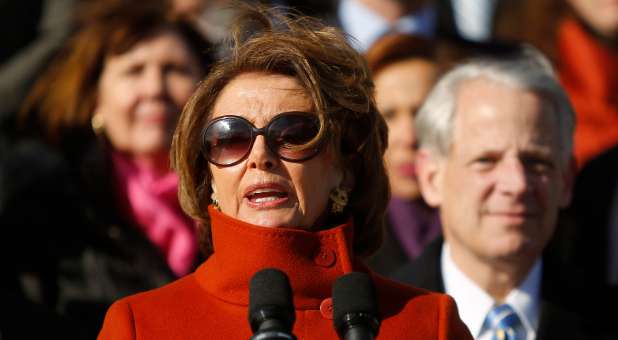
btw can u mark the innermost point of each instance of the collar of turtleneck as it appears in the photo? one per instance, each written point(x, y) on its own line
point(312, 260)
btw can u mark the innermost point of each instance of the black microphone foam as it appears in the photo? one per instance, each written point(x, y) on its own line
point(271, 307)
point(355, 308)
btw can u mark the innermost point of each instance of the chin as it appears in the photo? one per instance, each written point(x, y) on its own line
point(405, 191)
point(270, 219)
point(512, 247)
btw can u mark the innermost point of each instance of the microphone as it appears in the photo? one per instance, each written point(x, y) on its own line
point(355, 313)
point(271, 308)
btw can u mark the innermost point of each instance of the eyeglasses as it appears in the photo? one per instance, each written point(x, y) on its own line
point(228, 140)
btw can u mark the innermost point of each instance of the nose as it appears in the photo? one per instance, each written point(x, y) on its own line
point(154, 83)
point(513, 179)
point(260, 156)
point(402, 130)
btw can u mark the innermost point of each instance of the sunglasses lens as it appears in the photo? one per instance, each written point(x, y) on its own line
point(227, 141)
point(289, 133)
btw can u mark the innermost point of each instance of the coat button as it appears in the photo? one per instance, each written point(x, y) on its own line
point(326, 308)
point(325, 258)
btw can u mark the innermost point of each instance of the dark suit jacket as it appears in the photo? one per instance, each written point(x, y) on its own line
point(562, 313)
point(65, 246)
point(594, 211)
point(390, 256)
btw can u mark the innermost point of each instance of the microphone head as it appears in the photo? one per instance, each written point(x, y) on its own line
point(355, 303)
point(270, 298)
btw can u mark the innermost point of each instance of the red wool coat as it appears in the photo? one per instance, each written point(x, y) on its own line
point(589, 72)
point(212, 302)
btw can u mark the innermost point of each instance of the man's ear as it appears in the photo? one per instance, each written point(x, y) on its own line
point(568, 181)
point(429, 168)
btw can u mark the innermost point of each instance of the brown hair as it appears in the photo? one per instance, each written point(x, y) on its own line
point(532, 21)
point(335, 77)
point(63, 99)
point(396, 47)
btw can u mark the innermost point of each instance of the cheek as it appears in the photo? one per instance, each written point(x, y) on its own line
point(225, 181)
point(314, 181)
point(116, 97)
point(453, 185)
point(181, 88)
point(117, 127)
point(115, 104)
point(546, 191)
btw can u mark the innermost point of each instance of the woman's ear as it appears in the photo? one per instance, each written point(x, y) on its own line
point(429, 171)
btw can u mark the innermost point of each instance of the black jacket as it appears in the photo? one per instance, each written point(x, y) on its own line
point(566, 312)
point(65, 246)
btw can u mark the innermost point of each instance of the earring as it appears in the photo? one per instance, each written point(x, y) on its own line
point(340, 199)
point(97, 123)
point(215, 202)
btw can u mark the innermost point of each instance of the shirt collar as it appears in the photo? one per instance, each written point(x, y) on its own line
point(474, 303)
point(365, 26)
point(525, 298)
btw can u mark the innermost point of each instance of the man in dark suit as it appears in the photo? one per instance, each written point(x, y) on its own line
point(495, 158)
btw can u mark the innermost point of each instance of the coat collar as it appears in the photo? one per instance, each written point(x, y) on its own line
point(312, 260)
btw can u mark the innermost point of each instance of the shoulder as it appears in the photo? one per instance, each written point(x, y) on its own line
point(151, 309)
point(170, 295)
point(407, 309)
point(119, 322)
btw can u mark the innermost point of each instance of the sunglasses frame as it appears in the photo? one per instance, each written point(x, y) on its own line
point(264, 132)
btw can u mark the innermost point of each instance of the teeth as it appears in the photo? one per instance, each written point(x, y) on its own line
point(265, 199)
point(260, 191)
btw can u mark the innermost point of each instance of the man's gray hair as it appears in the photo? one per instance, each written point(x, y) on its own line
point(527, 70)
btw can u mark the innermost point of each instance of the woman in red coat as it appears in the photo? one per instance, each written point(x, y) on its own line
point(279, 154)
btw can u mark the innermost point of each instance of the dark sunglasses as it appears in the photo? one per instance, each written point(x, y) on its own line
point(228, 140)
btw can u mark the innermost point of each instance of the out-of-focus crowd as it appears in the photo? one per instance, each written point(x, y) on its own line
point(90, 92)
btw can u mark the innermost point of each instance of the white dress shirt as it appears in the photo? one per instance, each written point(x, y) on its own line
point(366, 26)
point(474, 18)
point(474, 303)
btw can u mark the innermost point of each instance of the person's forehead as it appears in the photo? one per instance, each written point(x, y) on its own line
point(482, 95)
point(259, 96)
point(496, 112)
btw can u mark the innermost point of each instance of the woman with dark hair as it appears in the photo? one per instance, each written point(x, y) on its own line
point(98, 192)
point(404, 69)
point(279, 153)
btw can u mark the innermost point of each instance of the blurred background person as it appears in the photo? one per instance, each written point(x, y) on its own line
point(404, 69)
point(93, 203)
point(587, 60)
point(31, 33)
point(279, 153)
point(367, 20)
point(211, 17)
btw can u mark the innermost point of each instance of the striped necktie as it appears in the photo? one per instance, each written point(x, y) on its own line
point(504, 324)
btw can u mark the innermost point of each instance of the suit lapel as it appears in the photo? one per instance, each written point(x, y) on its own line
point(425, 271)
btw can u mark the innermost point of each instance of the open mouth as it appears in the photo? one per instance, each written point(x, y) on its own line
point(266, 197)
